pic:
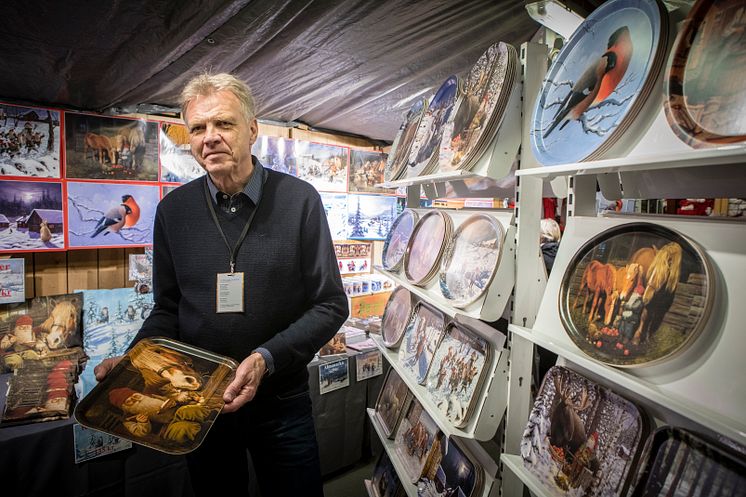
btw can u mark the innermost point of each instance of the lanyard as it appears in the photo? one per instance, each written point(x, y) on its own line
point(234, 250)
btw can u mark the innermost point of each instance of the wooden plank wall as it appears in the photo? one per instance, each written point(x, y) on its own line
point(55, 273)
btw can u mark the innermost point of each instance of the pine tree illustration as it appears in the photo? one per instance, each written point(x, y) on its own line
point(357, 223)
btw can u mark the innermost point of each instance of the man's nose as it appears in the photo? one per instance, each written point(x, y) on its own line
point(212, 137)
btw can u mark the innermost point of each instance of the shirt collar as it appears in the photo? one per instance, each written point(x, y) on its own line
point(253, 188)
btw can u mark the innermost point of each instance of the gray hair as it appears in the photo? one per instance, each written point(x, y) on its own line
point(550, 231)
point(206, 84)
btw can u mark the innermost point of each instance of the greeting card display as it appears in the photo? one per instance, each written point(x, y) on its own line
point(423, 157)
point(706, 104)
point(471, 259)
point(385, 482)
point(636, 294)
point(682, 463)
point(392, 399)
point(458, 372)
point(404, 141)
point(582, 439)
point(163, 394)
point(397, 240)
point(396, 316)
point(450, 470)
point(31, 216)
point(599, 82)
point(414, 438)
point(479, 111)
point(426, 246)
point(421, 338)
point(29, 141)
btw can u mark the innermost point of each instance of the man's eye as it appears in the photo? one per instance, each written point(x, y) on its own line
point(196, 129)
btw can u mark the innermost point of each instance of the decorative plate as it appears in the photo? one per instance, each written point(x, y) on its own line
point(163, 394)
point(391, 402)
point(426, 246)
point(456, 376)
point(591, 92)
point(706, 104)
point(423, 158)
point(414, 438)
point(421, 339)
point(397, 239)
point(396, 316)
point(636, 294)
point(682, 463)
point(450, 466)
point(471, 259)
point(397, 160)
point(385, 481)
point(581, 438)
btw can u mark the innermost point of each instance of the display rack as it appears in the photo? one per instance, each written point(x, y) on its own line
point(490, 405)
point(489, 307)
point(490, 489)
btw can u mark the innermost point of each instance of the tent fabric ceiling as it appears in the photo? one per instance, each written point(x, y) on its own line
point(354, 66)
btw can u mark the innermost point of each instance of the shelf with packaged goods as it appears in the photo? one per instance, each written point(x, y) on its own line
point(515, 465)
point(496, 163)
point(660, 166)
point(490, 405)
point(696, 386)
point(491, 305)
point(491, 484)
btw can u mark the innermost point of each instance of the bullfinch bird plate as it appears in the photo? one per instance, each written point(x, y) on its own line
point(599, 82)
point(163, 394)
point(397, 239)
point(636, 294)
point(396, 315)
point(397, 160)
point(423, 157)
point(430, 236)
point(470, 259)
point(706, 81)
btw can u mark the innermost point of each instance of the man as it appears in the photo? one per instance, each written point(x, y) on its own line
point(244, 266)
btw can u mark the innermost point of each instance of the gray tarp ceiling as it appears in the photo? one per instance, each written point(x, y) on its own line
point(353, 65)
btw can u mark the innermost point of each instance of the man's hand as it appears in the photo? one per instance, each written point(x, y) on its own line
point(106, 365)
point(243, 387)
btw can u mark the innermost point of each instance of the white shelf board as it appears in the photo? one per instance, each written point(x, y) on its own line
point(515, 464)
point(490, 405)
point(409, 487)
point(491, 305)
point(369, 488)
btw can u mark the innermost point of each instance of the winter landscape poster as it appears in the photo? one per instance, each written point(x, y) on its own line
point(31, 217)
point(12, 282)
point(335, 206)
point(276, 153)
point(324, 166)
point(177, 163)
point(29, 141)
point(369, 217)
point(98, 147)
point(110, 214)
point(111, 318)
point(90, 444)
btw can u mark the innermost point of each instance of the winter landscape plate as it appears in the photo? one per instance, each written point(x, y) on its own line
point(397, 239)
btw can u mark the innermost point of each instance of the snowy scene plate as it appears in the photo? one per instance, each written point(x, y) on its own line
point(421, 339)
point(397, 159)
point(426, 245)
point(163, 394)
point(396, 316)
point(397, 240)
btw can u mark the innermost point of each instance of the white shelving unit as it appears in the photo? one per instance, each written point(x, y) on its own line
point(491, 305)
point(490, 405)
point(515, 465)
point(491, 486)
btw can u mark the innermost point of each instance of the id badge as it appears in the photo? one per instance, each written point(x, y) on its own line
point(229, 292)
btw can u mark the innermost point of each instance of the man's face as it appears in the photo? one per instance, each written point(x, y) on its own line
point(219, 136)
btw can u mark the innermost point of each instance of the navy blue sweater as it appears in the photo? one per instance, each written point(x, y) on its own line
point(294, 301)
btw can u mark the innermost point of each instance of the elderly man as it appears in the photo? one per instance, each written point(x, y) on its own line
point(244, 266)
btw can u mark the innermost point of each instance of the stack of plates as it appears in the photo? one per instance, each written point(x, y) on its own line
point(479, 112)
point(426, 246)
point(706, 104)
point(425, 152)
point(597, 86)
point(397, 162)
point(398, 239)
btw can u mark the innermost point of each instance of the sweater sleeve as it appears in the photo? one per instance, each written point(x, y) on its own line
point(163, 320)
point(326, 301)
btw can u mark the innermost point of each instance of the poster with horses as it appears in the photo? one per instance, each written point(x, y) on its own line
point(582, 439)
point(31, 216)
point(98, 147)
point(178, 165)
point(636, 294)
point(40, 328)
point(110, 214)
point(30, 141)
point(163, 394)
point(324, 166)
